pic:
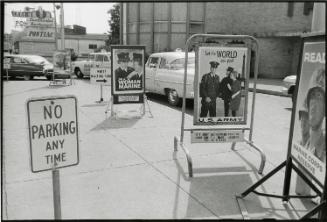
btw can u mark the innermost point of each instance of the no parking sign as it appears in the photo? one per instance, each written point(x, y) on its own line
point(53, 132)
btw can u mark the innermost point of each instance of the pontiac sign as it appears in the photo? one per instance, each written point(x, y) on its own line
point(36, 33)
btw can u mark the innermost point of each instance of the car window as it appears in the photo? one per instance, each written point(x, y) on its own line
point(179, 63)
point(99, 58)
point(153, 62)
point(163, 64)
point(91, 57)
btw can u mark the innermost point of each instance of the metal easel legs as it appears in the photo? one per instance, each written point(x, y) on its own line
point(285, 196)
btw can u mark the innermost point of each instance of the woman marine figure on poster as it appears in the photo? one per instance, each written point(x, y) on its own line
point(236, 93)
point(137, 74)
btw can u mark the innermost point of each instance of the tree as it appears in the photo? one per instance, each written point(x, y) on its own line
point(114, 24)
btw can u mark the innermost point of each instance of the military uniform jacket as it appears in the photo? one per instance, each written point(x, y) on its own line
point(226, 93)
point(121, 74)
point(209, 86)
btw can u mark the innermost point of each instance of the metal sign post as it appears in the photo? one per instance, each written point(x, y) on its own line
point(6, 66)
point(178, 142)
point(53, 138)
point(56, 192)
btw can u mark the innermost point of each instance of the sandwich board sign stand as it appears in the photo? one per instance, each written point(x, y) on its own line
point(53, 138)
point(306, 154)
point(100, 76)
point(128, 77)
point(61, 67)
point(232, 54)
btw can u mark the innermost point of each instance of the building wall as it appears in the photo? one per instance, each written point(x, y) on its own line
point(80, 45)
point(278, 56)
point(166, 26)
point(256, 18)
point(44, 49)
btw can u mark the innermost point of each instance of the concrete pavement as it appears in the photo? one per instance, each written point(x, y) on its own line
point(128, 169)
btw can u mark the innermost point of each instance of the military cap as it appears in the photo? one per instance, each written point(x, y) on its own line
point(137, 57)
point(231, 69)
point(214, 64)
point(123, 57)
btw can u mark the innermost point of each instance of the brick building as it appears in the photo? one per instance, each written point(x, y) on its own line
point(277, 26)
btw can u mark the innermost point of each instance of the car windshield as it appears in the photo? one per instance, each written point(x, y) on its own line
point(179, 63)
point(37, 59)
point(91, 57)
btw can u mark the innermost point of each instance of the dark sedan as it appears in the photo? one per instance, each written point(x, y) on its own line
point(27, 66)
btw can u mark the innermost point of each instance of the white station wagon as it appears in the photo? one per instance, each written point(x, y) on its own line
point(165, 75)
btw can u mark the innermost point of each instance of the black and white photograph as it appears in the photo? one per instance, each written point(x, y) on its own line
point(168, 110)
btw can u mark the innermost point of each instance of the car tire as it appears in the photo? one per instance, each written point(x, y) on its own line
point(173, 98)
point(49, 77)
point(28, 77)
point(78, 73)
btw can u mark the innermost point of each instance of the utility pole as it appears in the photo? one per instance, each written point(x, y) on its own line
point(62, 26)
point(55, 25)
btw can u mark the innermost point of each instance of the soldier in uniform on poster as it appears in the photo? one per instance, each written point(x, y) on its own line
point(209, 89)
point(226, 90)
point(123, 70)
point(137, 74)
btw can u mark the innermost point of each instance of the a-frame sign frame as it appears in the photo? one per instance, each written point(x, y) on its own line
point(128, 77)
point(311, 74)
point(251, 44)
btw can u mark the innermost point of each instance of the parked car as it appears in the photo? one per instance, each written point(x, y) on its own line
point(165, 75)
point(27, 66)
point(82, 68)
point(288, 87)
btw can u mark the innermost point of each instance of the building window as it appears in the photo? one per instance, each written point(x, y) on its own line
point(92, 46)
point(290, 9)
point(308, 6)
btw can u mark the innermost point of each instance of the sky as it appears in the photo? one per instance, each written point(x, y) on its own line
point(93, 16)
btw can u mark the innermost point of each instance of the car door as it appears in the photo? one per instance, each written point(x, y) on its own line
point(151, 69)
point(17, 68)
point(87, 65)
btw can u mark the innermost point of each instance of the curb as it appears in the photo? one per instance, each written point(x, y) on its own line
point(269, 92)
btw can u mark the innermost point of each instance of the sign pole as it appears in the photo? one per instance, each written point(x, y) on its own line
point(101, 92)
point(56, 193)
point(7, 75)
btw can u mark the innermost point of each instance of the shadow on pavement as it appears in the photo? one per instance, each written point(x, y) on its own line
point(162, 100)
point(116, 123)
point(215, 193)
point(96, 104)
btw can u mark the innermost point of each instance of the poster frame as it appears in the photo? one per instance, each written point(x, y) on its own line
point(305, 39)
point(116, 94)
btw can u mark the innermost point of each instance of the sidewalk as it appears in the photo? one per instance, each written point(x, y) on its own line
point(128, 168)
point(268, 86)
